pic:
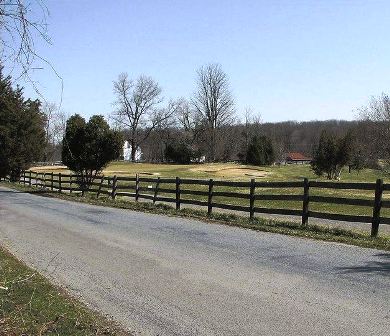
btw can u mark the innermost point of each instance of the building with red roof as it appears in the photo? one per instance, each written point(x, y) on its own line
point(297, 158)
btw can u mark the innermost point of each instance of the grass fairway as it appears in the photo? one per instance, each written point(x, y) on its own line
point(236, 172)
point(226, 171)
point(239, 172)
point(30, 305)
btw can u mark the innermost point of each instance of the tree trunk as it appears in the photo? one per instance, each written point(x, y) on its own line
point(213, 145)
point(133, 150)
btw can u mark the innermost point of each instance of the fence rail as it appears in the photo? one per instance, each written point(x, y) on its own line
point(176, 190)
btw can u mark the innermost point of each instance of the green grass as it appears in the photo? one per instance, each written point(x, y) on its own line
point(30, 305)
point(237, 172)
point(228, 171)
point(324, 233)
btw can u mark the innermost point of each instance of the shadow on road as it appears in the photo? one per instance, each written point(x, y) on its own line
point(13, 191)
point(8, 191)
point(372, 267)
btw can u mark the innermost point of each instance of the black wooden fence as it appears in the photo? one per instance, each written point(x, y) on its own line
point(177, 187)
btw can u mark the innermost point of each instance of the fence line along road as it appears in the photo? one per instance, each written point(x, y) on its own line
point(114, 186)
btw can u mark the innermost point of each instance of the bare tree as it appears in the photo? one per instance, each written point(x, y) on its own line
point(55, 123)
point(20, 26)
point(138, 108)
point(185, 116)
point(252, 125)
point(188, 120)
point(213, 102)
point(377, 113)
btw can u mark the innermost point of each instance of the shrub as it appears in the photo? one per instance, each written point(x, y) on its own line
point(180, 153)
point(260, 151)
point(88, 147)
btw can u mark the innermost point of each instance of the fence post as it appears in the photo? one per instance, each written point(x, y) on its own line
point(36, 179)
point(51, 181)
point(100, 186)
point(252, 199)
point(305, 205)
point(210, 197)
point(29, 181)
point(70, 183)
point(156, 190)
point(44, 181)
point(136, 187)
point(177, 193)
point(113, 191)
point(59, 182)
point(376, 212)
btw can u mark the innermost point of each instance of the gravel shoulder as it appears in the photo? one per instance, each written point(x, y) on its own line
point(161, 275)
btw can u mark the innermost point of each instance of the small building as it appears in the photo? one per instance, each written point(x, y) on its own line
point(297, 158)
point(127, 152)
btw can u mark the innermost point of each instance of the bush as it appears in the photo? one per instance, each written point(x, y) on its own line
point(88, 147)
point(180, 153)
point(260, 151)
point(332, 154)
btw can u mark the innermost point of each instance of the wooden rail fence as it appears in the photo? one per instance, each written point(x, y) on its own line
point(177, 187)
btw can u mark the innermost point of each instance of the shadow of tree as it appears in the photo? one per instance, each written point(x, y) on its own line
point(371, 267)
point(38, 191)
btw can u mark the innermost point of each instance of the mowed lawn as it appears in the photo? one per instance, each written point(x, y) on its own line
point(239, 172)
point(227, 171)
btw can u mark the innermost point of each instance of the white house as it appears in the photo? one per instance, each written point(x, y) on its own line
point(127, 152)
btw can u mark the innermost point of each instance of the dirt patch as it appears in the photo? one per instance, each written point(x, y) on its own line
point(239, 172)
point(231, 171)
point(121, 172)
point(48, 168)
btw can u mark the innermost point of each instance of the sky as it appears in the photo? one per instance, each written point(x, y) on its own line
point(287, 60)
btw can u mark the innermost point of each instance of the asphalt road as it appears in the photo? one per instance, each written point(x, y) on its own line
point(159, 275)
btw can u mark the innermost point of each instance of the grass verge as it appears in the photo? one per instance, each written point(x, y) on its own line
point(30, 305)
point(324, 233)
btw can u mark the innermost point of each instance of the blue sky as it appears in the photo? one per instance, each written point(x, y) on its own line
point(288, 60)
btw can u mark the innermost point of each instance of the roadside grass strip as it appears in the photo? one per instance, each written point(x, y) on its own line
point(30, 305)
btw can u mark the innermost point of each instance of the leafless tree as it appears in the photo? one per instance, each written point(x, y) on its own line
point(185, 115)
point(22, 24)
point(213, 102)
point(138, 108)
point(377, 112)
point(19, 30)
point(55, 123)
point(252, 122)
point(189, 121)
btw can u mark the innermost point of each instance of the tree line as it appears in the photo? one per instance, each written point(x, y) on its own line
point(184, 131)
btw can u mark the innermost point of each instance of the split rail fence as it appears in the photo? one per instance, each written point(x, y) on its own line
point(177, 190)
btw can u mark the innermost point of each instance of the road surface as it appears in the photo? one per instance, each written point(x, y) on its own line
point(161, 275)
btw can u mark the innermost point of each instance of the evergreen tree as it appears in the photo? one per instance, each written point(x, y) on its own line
point(88, 147)
point(180, 153)
point(22, 135)
point(260, 151)
point(332, 154)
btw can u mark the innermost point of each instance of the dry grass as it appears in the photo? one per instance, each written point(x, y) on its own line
point(30, 305)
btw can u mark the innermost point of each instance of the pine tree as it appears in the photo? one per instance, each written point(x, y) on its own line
point(88, 147)
point(22, 135)
point(332, 154)
point(260, 151)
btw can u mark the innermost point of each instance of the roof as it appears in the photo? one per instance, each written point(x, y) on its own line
point(295, 156)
